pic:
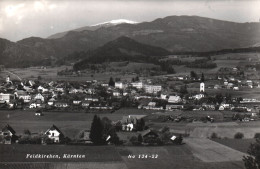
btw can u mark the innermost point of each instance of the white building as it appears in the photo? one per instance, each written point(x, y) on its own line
point(39, 97)
point(174, 99)
point(8, 79)
point(138, 85)
point(54, 133)
point(42, 89)
point(119, 85)
point(202, 87)
point(152, 88)
point(7, 97)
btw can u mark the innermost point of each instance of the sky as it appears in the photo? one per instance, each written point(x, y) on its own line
point(41, 18)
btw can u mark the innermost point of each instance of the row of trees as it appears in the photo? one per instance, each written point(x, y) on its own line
point(102, 131)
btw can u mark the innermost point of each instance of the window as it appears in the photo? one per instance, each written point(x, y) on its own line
point(52, 134)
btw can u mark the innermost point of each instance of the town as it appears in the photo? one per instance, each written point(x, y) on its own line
point(150, 97)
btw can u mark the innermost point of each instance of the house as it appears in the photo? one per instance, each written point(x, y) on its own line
point(7, 135)
point(116, 93)
point(152, 106)
point(173, 107)
point(174, 99)
point(224, 106)
point(163, 96)
point(230, 86)
point(51, 102)
point(20, 94)
point(138, 85)
point(85, 103)
point(60, 89)
point(76, 102)
point(7, 97)
point(39, 113)
point(235, 88)
point(41, 89)
point(249, 83)
point(61, 104)
point(39, 97)
point(104, 84)
point(54, 134)
point(129, 122)
point(152, 88)
point(120, 85)
point(198, 96)
point(208, 106)
point(149, 136)
point(216, 86)
point(91, 98)
point(73, 91)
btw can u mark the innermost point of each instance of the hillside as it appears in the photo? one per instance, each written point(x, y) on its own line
point(173, 33)
point(92, 27)
point(122, 49)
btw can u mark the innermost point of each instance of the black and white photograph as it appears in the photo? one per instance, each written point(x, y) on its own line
point(130, 84)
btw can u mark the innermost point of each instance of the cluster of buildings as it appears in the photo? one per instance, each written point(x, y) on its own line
point(8, 135)
point(96, 95)
point(59, 95)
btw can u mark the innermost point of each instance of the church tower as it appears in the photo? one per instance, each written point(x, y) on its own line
point(7, 79)
point(202, 87)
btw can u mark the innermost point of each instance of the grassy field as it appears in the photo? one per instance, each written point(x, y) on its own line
point(210, 151)
point(70, 123)
point(237, 144)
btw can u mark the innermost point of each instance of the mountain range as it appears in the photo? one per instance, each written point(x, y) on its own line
point(120, 49)
point(173, 33)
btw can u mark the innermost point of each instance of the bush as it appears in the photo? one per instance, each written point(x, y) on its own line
point(178, 140)
point(238, 135)
point(257, 135)
point(134, 140)
point(214, 135)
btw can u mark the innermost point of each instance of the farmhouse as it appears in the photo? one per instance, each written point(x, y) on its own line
point(54, 134)
point(129, 122)
point(7, 135)
point(149, 136)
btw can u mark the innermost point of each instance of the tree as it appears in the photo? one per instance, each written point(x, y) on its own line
point(193, 75)
point(140, 125)
point(27, 132)
point(111, 82)
point(96, 131)
point(202, 78)
point(183, 89)
point(140, 138)
point(39, 78)
point(219, 98)
point(253, 160)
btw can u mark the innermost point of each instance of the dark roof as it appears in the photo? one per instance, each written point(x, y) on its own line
point(8, 128)
point(53, 127)
point(146, 132)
